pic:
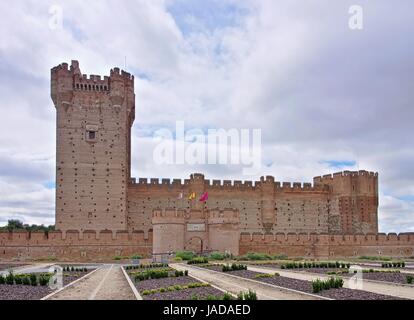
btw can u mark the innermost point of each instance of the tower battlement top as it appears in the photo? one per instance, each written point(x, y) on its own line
point(75, 80)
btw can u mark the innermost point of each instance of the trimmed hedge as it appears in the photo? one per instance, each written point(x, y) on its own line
point(198, 260)
point(308, 265)
point(26, 279)
point(157, 274)
point(233, 267)
point(319, 285)
point(400, 264)
point(250, 295)
point(147, 266)
point(185, 255)
point(74, 269)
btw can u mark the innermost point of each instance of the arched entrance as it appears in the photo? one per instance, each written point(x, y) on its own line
point(195, 244)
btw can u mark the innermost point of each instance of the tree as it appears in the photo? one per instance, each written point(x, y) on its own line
point(13, 225)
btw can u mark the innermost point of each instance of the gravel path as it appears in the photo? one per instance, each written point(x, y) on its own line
point(107, 283)
point(387, 289)
point(6, 266)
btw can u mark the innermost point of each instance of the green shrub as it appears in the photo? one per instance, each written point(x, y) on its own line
point(26, 280)
point(178, 259)
point(375, 258)
point(250, 295)
point(280, 257)
point(410, 279)
point(186, 272)
point(145, 292)
point(18, 279)
point(178, 273)
point(217, 256)
point(258, 256)
point(44, 279)
point(319, 285)
point(2, 279)
point(263, 275)
point(10, 278)
point(136, 257)
point(233, 267)
point(117, 258)
point(150, 274)
point(316, 286)
point(198, 260)
point(33, 279)
point(227, 296)
point(185, 255)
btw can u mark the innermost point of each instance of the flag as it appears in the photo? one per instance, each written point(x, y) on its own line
point(192, 196)
point(180, 196)
point(204, 197)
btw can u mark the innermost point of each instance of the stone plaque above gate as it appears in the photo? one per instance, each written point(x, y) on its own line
point(196, 227)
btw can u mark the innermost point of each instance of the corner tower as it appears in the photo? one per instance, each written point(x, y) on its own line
point(355, 199)
point(94, 117)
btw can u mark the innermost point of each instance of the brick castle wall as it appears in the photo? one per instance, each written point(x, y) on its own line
point(103, 246)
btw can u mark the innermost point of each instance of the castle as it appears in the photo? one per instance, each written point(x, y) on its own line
point(101, 211)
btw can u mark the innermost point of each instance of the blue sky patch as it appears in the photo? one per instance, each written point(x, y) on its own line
point(340, 163)
point(50, 185)
point(208, 15)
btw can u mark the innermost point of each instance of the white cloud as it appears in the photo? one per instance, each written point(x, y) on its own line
point(316, 89)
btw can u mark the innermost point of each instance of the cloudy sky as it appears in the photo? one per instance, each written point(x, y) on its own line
point(327, 98)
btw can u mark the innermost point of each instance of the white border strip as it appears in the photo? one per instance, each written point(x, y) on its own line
point(133, 288)
point(69, 284)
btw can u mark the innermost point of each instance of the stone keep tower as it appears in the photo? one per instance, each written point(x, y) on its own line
point(94, 119)
point(354, 195)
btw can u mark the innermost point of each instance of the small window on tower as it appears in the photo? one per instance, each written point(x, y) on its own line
point(91, 133)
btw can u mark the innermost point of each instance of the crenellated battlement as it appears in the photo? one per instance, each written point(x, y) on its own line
point(236, 185)
point(340, 175)
point(168, 216)
point(116, 73)
point(87, 83)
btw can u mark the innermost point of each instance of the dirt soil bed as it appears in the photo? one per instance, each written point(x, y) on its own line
point(186, 294)
point(70, 276)
point(23, 292)
point(306, 286)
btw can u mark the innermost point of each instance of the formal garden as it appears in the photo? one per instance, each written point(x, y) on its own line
point(161, 282)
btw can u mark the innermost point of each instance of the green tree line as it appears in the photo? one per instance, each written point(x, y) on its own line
point(17, 225)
